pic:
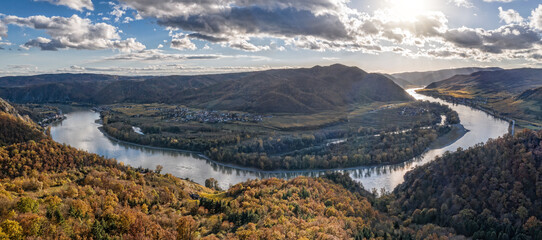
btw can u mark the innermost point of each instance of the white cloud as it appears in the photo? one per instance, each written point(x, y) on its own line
point(182, 42)
point(118, 11)
point(127, 20)
point(243, 44)
point(78, 5)
point(159, 55)
point(73, 32)
point(536, 18)
point(161, 69)
point(3, 30)
point(462, 3)
point(510, 16)
point(503, 1)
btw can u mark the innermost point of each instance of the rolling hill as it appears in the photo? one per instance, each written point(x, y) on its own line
point(504, 82)
point(305, 90)
point(532, 95)
point(511, 93)
point(421, 79)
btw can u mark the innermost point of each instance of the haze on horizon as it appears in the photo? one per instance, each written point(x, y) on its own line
point(163, 37)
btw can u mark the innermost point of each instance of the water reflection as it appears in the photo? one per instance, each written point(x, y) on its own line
point(81, 131)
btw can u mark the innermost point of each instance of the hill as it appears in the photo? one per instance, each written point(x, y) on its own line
point(501, 82)
point(509, 94)
point(532, 95)
point(421, 79)
point(16, 128)
point(491, 191)
point(306, 90)
point(285, 90)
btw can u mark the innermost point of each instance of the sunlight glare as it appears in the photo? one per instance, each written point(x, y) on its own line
point(408, 9)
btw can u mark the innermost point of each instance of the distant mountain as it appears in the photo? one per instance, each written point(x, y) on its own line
point(103, 89)
point(421, 79)
point(401, 82)
point(299, 90)
point(284, 90)
point(20, 81)
point(509, 82)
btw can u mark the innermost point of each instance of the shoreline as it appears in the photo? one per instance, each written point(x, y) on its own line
point(490, 112)
point(456, 127)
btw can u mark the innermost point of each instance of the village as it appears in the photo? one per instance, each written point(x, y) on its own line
point(51, 118)
point(183, 114)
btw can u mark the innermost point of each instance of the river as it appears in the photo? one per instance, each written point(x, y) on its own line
point(81, 131)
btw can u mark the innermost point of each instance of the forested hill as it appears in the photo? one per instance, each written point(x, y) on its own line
point(298, 90)
point(421, 79)
point(285, 90)
point(491, 191)
point(15, 128)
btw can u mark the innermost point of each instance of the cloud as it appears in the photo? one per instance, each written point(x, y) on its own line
point(3, 30)
point(73, 32)
point(161, 69)
point(510, 16)
point(182, 42)
point(503, 1)
point(243, 44)
point(206, 37)
point(118, 11)
point(536, 18)
point(159, 55)
point(254, 21)
point(462, 3)
point(78, 5)
point(238, 21)
point(509, 37)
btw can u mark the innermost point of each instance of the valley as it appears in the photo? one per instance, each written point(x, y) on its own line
point(270, 120)
point(390, 209)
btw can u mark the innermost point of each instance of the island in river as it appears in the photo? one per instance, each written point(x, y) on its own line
point(366, 135)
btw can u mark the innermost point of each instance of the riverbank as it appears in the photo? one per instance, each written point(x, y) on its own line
point(491, 112)
point(447, 139)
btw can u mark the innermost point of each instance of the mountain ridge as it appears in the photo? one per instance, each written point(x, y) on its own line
point(303, 90)
point(421, 79)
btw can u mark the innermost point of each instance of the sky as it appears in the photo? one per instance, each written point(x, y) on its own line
point(184, 37)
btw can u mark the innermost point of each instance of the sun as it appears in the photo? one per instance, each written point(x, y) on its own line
point(408, 9)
